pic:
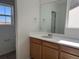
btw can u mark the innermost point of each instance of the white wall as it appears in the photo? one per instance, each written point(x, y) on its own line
point(27, 21)
point(7, 39)
point(72, 32)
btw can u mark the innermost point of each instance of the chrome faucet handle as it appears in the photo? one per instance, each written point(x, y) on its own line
point(49, 34)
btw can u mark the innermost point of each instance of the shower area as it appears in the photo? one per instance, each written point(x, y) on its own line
point(7, 29)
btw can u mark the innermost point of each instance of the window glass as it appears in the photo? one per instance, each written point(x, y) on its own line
point(1, 9)
point(2, 19)
point(5, 14)
point(8, 20)
point(8, 10)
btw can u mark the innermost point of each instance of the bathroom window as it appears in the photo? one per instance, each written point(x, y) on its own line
point(6, 14)
point(73, 21)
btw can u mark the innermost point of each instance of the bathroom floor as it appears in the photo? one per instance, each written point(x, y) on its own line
point(11, 55)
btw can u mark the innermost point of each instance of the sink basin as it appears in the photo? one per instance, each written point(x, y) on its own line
point(47, 36)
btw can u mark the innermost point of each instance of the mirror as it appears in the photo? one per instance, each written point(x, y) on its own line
point(53, 16)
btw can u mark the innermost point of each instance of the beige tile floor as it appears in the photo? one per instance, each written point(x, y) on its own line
point(11, 55)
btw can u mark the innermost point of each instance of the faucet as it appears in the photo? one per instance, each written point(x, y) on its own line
point(50, 35)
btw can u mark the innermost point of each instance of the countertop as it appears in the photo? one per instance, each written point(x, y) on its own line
point(57, 38)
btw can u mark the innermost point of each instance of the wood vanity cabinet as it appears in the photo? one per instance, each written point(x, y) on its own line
point(69, 53)
point(49, 53)
point(40, 49)
point(67, 56)
point(35, 48)
point(50, 50)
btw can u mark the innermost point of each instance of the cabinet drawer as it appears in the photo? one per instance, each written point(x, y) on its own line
point(70, 50)
point(35, 40)
point(51, 45)
point(67, 56)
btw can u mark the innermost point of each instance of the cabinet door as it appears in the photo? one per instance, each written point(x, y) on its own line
point(49, 53)
point(67, 56)
point(35, 51)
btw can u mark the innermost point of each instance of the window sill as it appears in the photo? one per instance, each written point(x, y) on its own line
point(5, 25)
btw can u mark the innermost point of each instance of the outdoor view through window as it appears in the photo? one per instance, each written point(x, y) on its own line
point(73, 21)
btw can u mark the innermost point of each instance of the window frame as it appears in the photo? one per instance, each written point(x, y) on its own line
point(12, 14)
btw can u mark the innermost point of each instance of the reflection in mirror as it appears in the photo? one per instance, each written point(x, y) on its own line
point(53, 16)
point(53, 21)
